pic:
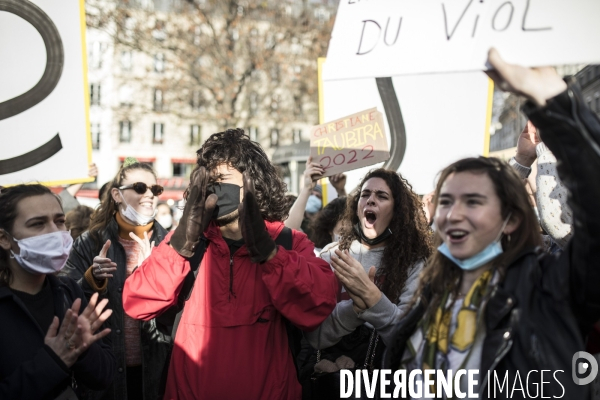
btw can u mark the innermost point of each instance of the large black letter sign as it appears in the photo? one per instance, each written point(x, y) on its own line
point(54, 66)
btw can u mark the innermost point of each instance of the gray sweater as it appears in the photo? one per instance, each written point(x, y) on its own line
point(383, 316)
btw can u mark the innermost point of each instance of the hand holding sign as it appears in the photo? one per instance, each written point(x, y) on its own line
point(349, 143)
point(312, 173)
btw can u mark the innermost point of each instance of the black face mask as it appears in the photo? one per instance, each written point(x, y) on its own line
point(229, 198)
point(372, 242)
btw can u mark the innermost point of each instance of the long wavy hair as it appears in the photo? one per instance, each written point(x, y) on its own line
point(234, 147)
point(108, 207)
point(410, 241)
point(440, 274)
point(9, 202)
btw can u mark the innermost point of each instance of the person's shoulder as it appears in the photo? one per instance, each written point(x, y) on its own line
point(328, 251)
point(417, 267)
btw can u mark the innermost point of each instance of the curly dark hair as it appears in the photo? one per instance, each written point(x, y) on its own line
point(325, 221)
point(234, 147)
point(410, 241)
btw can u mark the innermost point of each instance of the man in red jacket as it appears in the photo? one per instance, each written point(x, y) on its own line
point(231, 342)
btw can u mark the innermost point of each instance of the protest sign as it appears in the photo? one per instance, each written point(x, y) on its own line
point(44, 124)
point(348, 143)
point(393, 37)
point(445, 117)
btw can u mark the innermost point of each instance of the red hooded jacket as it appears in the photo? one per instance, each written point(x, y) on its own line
point(231, 341)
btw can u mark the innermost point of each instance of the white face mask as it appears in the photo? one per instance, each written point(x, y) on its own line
point(132, 215)
point(165, 220)
point(336, 237)
point(44, 254)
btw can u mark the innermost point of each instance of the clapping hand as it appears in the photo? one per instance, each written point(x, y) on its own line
point(359, 285)
point(76, 333)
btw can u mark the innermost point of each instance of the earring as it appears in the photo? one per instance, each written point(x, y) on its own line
point(509, 238)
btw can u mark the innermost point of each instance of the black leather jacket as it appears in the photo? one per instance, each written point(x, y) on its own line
point(156, 343)
point(538, 315)
point(31, 370)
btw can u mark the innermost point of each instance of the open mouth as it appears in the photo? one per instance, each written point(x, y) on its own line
point(457, 235)
point(370, 218)
point(146, 205)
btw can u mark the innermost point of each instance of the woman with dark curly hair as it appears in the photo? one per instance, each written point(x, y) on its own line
point(384, 244)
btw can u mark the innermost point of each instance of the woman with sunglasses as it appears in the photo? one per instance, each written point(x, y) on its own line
point(121, 235)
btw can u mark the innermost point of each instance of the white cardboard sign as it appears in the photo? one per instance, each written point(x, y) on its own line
point(380, 38)
point(445, 116)
point(44, 124)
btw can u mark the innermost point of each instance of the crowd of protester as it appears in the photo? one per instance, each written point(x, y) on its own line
point(258, 295)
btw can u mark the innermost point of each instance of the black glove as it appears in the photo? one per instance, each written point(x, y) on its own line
point(257, 239)
point(197, 214)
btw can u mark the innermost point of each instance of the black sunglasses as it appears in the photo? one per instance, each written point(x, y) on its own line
point(141, 188)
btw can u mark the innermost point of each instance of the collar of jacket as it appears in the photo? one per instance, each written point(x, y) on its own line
point(59, 290)
point(213, 234)
point(125, 228)
point(112, 232)
point(54, 282)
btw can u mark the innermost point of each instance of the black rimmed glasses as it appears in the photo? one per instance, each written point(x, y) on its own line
point(141, 188)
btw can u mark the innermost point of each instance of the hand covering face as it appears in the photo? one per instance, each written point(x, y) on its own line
point(254, 231)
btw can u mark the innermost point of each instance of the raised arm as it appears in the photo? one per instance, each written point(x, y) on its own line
point(572, 132)
point(312, 173)
point(551, 195)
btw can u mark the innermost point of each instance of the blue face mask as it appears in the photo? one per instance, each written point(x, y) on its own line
point(486, 255)
point(314, 204)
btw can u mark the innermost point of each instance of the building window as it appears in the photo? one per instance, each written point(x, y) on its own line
point(158, 100)
point(298, 110)
point(253, 133)
point(182, 169)
point(196, 100)
point(195, 135)
point(253, 103)
point(597, 105)
point(275, 70)
point(274, 137)
point(95, 94)
point(95, 55)
point(95, 131)
point(197, 35)
point(159, 63)
point(158, 132)
point(126, 60)
point(126, 95)
point(297, 135)
point(125, 131)
point(129, 27)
